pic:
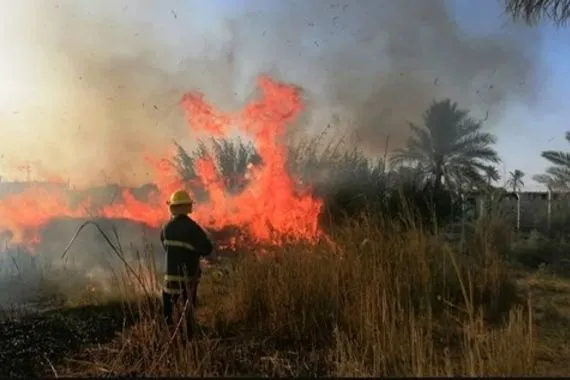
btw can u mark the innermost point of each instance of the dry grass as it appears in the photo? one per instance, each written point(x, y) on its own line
point(550, 296)
point(384, 301)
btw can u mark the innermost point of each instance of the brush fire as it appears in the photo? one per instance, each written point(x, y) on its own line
point(271, 209)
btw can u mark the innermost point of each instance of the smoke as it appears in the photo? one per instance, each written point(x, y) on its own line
point(111, 88)
point(109, 74)
point(371, 66)
point(91, 87)
point(90, 265)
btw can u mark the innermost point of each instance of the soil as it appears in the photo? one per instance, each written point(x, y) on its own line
point(31, 345)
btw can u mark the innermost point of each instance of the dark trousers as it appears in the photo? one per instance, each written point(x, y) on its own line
point(170, 301)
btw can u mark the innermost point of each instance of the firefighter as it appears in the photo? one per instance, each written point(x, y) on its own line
point(185, 243)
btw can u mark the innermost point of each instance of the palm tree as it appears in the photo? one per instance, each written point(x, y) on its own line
point(449, 149)
point(515, 181)
point(533, 11)
point(491, 175)
point(557, 176)
point(550, 183)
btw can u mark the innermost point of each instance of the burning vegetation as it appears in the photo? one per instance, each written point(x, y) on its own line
point(270, 209)
point(364, 272)
point(390, 295)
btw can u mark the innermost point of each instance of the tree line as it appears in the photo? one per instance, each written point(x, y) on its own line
point(447, 155)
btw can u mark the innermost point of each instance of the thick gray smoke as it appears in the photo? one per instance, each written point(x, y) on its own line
point(116, 70)
point(90, 267)
point(111, 81)
point(110, 73)
point(379, 64)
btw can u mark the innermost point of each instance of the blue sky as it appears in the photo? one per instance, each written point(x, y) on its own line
point(544, 127)
point(523, 131)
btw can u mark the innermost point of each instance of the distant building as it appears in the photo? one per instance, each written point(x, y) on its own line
point(527, 209)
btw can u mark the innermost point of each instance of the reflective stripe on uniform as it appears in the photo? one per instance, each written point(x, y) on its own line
point(178, 243)
point(182, 282)
point(170, 277)
point(172, 291)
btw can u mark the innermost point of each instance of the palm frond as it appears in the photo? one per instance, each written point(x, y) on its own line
point(559, 173)
point(550, 182)
point(473, 140)
point(557, 157)
point(421, 137)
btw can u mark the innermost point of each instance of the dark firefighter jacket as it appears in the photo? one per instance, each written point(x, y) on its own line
point(185, 243)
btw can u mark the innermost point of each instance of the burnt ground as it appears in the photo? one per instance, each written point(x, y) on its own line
point(32, 344)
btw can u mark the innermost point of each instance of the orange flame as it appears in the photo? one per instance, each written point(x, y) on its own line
point(268, 210)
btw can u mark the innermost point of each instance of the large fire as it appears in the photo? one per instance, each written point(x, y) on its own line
point(269, 210)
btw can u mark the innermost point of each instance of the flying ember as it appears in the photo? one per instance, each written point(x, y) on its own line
point(270, 209)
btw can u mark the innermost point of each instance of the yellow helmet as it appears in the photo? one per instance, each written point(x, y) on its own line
point(180, 197)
